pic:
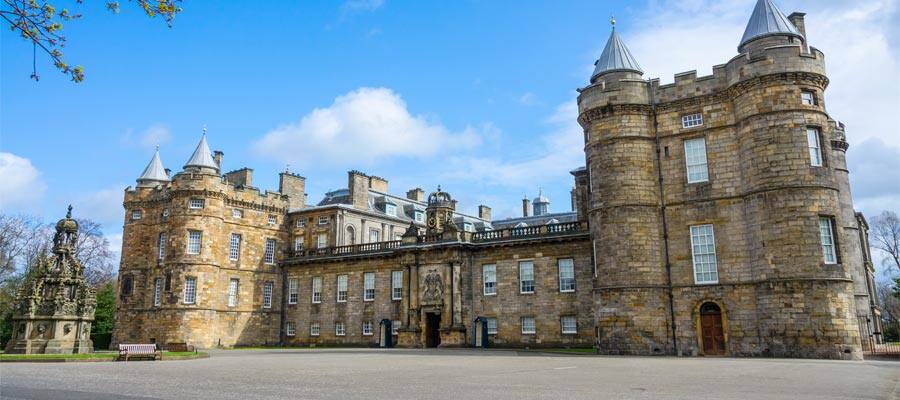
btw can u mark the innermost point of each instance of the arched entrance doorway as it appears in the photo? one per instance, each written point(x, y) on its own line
point(711, 329)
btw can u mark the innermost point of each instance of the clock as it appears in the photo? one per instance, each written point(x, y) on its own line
point(432, 222)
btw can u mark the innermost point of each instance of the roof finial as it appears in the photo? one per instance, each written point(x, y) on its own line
point(157, 147)
point(612, 21)
point(69, 213)
point(439, 187)
point(204, 129)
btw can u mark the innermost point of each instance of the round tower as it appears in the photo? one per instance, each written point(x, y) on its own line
point(624, 211)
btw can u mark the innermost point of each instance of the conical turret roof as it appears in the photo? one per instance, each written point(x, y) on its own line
point(202, 157)
point(154, 171)
point(767, 20)
point(615, 57)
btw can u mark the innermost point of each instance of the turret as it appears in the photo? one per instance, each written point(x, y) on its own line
point(767, 27)
point(541, 204)
point(202, 160)
point(154, 174)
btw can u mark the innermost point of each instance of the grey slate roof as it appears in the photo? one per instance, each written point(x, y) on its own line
point(615, 57)
point(154, 171)
point(767, 20)
point(536, 220)
point(202, 157)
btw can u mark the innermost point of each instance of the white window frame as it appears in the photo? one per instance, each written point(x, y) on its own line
point(136, 215)
point(529, 325)
point(703, 254)
point(272, 220)
point(390, 209)
point(395, 327)
point(489, 279)
point(367, 328)
point(316, 289)
point(298, 243)
point(419, 216)
point(568, 325)
point(161, 243)
point(692, 120)
point(157, 292)
point(814, 144)
point(194, 244)
point(341, 293)
point(566, 273)
point(524, 286)
point(396, 285)
point(323, 220)
point(269, 257)
point(695, 161)
point(808, 97)
point(340, 329)
point(190, 290)
point(374, 235)
point(290, 329)
point(293, 290)
point(233, 290)
point(314, 329)
point(468, 226)
point(234, 247)
point(369, 286)
point(268, 287)
point(300, 223)
point(237, 213)
point(321, 240)
point(196, 204)
point(491, 326)
point(826, 237)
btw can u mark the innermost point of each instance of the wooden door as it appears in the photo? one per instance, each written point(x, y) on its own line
point(713, 334)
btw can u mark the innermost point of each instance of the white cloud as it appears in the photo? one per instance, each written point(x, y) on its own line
point(21, 183)
point(362, 5)
point(363, 126)
point(529, 99)
point(151, 137)
point(103, 206)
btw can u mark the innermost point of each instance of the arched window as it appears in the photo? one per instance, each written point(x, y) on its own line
point(351, 235)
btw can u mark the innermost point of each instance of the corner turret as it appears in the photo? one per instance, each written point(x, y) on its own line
point(202, 159)
point(615, 57)
point(154, 174)
point(767, 21)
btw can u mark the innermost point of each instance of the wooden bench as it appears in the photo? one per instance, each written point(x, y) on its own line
point(128, 351)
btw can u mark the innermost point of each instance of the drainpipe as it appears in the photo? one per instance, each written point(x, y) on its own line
point(665, 226)
point(281, 332)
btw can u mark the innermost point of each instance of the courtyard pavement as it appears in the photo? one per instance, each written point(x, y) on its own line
point(449, 374)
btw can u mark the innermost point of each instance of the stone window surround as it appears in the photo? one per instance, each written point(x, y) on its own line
point(563, 326)
point(196, 204)
point(528, 325)
point(484, 279)
point(190, 289)
point(492, 327)
point(341, 293)
point(835, 247)
point(688, 163)
point(323, 220)
point(157, 292)
point(560, 277)
point(270, 248)
point(234, 247)
point(237, 213)
point(368, 286)
point(293, 290)
point(395, 327)
point(161, 246)
point(314, 329)
point(339, 329)
point(818, 146)
point(194, 246)
point(136, 215)
point(268, 294)
point(533, 276)
point(273, 220)
point(127, 285)
point(813, 97)
point(367, 328)
point(396, 285)
point(692, 120)
point(290, 328)
point(316, 289)
point(714, 253)
point(234, 285)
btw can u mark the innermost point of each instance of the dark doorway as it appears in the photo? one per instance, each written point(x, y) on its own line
point(711, 329)
point(432, 329)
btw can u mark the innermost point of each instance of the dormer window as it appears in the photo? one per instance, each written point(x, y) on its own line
point(237, 213)
point(690, 121)
point(419, 216)
point(390, 209)
point(196, 204)
point(808, 97)
point(468, 227)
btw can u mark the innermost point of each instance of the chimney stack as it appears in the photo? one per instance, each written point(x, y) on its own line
point(526, 207)
point(217, 157)
point(484, 212)
point(416, 194)
point(797, 18)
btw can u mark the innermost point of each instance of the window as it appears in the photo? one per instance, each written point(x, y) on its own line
point(390, 209)
point(196, 204)
point(826, 234)
point(528, 326)
point(695, 159)
point(290, 329)
point(321, 240)
point(233, 292)
point(690, 121)
point(317, 289)
point(566, 275)
point(374, 235)
point(165, 213)
point(301, 222)
point(808, 97)
point(234, 249)
point(339, 329)
point(136, 214)
point(341, 288)
point(237, 213)
point(194, 238)
point(569, 324)
point(492, 326)
point(396, 285)
point(168, 283)
point(369, 286)
point(398, 236)
point(267, 294)
point(157, 292)
point(162, 246)
point(815, 148)
point(293, 293)
point(489, 272)
point(323, 220)
point(468, 227)
point(314, 329)
point(272, 220)
point(270, 251)
point(419, 216)
point(703, 248)
point(395, 327)
point(190, 290)
point(367, 328)
point(298, 243)
point(526, 277)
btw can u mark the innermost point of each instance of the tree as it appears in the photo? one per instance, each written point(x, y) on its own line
point(92, 249)
point(885, 236)
point(41, 23)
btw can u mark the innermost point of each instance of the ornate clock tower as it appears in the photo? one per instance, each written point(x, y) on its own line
point(439, 211)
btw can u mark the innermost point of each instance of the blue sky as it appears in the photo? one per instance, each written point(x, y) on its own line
point(476, 96)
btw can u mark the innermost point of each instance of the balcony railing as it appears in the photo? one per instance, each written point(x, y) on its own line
point(529, 231)
point(348, 249)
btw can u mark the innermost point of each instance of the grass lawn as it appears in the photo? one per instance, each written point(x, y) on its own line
point(108, 355)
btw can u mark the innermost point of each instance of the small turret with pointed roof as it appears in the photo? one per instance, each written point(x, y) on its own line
point(154, 174)
point(202, 158)
point(615, 57)
point(767, 20)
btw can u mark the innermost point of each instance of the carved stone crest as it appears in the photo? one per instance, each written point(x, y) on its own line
point(434, 286)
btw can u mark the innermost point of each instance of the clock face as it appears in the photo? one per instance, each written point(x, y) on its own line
point(431, 222)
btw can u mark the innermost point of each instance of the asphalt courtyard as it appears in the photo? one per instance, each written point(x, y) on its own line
point(449, 374)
